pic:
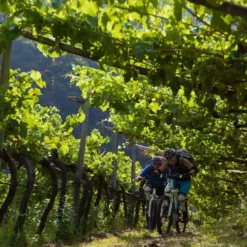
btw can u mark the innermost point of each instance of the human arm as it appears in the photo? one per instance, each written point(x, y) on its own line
point(143, 174)
point(146, 171)
point(163, 166)
point(193, 169)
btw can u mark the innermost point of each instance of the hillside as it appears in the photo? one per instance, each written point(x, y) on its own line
point(27, 57)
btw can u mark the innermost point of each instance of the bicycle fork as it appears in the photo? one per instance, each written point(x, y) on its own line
point(172, 207)
point(153, 197)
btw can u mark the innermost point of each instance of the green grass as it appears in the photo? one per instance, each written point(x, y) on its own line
point(230, 232)
point(128, 238)
point(215, 235)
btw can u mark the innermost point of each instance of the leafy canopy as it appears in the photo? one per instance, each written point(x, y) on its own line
point(172, 73)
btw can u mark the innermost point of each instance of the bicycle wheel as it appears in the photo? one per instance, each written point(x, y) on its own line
point(181, 224)
point(164, 222)
point(153, 213)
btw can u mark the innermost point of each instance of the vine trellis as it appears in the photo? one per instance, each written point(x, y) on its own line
point(56, 169)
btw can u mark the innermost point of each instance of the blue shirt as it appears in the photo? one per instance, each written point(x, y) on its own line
point(148, 173)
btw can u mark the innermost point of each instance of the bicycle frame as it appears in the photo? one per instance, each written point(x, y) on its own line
point(171, 193)
point(169, 210)
point(153, 196)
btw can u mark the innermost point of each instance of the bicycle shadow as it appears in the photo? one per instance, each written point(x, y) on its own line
point(177, 239)
point(178, 235)
point(150, 240)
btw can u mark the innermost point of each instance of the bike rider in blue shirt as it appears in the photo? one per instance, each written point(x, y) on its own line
point(152, 177)
point(183, 169)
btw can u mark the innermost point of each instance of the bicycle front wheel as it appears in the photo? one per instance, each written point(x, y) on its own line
point(152, 215)
point(182, 220)
point(164, 221)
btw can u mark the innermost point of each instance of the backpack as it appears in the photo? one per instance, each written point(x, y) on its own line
point(185, 154)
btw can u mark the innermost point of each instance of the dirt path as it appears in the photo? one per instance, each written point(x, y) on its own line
point(210, 236)
point(137, 239)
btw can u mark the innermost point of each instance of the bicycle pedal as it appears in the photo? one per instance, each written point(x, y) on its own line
point(184, 221)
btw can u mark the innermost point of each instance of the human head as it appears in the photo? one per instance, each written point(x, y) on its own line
point(170, 155)
point(157, 161)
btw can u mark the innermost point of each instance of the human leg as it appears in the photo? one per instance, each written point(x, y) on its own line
point(147, 191)
point(183, 190)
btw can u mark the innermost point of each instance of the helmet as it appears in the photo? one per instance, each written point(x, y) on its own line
point(169, 153)
point(157, 159)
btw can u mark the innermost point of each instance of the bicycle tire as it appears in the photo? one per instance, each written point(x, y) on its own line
point(180, 224)
point(153, 215)
point(164, 217)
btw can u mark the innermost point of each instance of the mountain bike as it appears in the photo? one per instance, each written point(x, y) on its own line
point(169, 211)
point(151, 206)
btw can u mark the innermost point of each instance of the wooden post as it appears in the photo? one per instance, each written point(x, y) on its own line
point(133, 174)
point(114, 150)
point(4, 79)
point(133, 168)
point(79, 166)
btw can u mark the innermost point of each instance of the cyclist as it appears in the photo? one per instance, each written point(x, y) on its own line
point(183, 169)
point(150, 177)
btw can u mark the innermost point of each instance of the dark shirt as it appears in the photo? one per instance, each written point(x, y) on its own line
point(179, 168)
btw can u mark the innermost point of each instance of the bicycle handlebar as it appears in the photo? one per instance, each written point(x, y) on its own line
point(174, 176)
point(139, 178)
point(179, 176)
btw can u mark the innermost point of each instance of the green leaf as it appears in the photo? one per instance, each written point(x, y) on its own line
point(191, 103)
point(178, 7)
point(174, 107)
point(4, 6)
point(89, 7)
point(104, 20)
point(154, 2)
point(64, 148)
point(218, 22)
point(81, 116)
point(23, 129)
point(57, 3)
point(183, 143)
point(141, 47)
point(171, 35)
point(228, 19)
point(134, 16)
point(116, 31)
point(93, 21)
point(154, 106)
point(34, 92)
point(104, 107)
point(36, 76)
point(47, 139)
